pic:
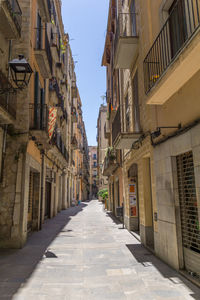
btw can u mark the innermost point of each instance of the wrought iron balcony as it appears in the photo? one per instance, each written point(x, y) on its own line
point(126, 41)
point(74, 89)
point(39, 117)
point(122, 139)
point(74, 115)
point(45, 9)
point(54, 87)
point(10, 19)
point(60, 145)
point(106, 130)
point(8, 102)
point(74, 143)
point(178, 30)
point(43, 54)
point(110, 164)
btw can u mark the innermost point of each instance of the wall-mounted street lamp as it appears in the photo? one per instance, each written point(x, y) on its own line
point(21, 72)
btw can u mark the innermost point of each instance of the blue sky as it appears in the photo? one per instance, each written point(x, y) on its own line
point(86, 23)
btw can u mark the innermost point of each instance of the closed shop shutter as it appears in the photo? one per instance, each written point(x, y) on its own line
point(189, 212)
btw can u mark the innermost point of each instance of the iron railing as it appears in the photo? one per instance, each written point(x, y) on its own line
point(183, 21)
point(58, 142)
point(15, 13)
point(116, 126)
point(53, 86)
point(39, 117)
point(126, 27)
point(8, 101)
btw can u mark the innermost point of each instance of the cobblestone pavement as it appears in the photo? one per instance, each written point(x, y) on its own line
point(83, 254)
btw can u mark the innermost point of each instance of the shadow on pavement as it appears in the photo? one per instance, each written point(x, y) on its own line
point(115, 220)
point(148, 259)
point(16, 266)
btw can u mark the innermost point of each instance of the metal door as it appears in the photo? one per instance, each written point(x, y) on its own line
point(189, 212)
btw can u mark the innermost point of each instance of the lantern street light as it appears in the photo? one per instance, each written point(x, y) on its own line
point(21, 72)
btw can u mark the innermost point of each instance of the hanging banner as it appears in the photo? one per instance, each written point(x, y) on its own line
point(52, 120)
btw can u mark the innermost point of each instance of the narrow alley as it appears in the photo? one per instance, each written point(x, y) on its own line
point(84, 254)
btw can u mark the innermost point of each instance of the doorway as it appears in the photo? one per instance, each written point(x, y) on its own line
point(148, 203)
point(33, 201)
point(47, 201)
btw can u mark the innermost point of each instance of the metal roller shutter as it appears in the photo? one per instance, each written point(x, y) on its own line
point(189, 212)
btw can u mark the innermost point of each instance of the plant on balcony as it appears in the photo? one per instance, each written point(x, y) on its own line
point(110, 153)
point(103, 194)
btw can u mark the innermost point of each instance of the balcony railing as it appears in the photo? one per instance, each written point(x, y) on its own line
point(180, 26)
point(126, 40)
point(74, 142)
point(15, 13)
point(122, 139)
point(54, 87)
point(8, 101)
point(116, 126)
point(58, 142)
point(110, 164)
point(74, 115)
point(39, 116)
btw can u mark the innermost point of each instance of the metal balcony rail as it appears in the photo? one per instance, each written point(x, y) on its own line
point(116, 126)
point(39, 116)
point(73, 111)
point(8, 101)
point(53, 86)
point(58, 142)
point(126, 27)
point(180, 26)
point(15, 12)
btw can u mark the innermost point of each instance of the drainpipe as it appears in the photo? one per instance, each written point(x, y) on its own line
point(42, 190)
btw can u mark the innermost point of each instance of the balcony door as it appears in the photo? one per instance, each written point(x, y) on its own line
point(133, 18)
point(39, 33)
point(177, 26)
point(39, 111)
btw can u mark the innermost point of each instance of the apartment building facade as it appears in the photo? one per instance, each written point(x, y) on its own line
point(37, 175)
point(102, 146)
point(93, 171)
point(152, 98)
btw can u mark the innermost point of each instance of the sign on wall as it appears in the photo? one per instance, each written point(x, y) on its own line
point(52, 120)
point(133, 199)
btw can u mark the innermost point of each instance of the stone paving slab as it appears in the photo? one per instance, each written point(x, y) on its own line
point(83, 254)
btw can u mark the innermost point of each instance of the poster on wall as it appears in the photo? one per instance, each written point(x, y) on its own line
point(133, 199)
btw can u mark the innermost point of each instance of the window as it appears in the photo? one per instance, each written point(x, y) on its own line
point(94, 156)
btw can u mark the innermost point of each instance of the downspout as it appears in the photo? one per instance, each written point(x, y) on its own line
point(42, 190)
